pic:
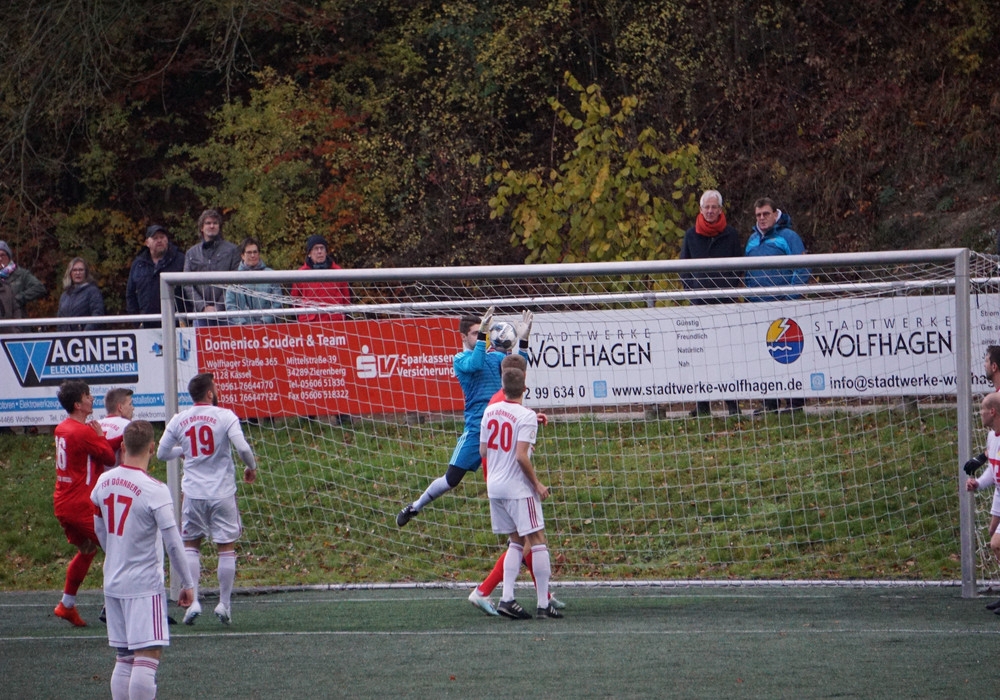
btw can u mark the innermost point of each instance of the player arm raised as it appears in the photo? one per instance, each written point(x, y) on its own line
point(99, 447)
point(523, 455)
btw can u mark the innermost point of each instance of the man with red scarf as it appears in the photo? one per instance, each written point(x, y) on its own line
point(711, 237)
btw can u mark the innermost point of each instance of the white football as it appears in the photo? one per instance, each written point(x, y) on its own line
point(503, 336)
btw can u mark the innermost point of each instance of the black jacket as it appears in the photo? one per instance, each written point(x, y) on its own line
point(142, 294)
point(696, 247)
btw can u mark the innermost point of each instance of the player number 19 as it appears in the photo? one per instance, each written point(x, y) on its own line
point(202, 440)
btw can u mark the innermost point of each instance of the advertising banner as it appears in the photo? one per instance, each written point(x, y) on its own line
point(897, 346)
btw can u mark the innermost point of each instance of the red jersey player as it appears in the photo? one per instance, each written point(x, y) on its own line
point(82, 452)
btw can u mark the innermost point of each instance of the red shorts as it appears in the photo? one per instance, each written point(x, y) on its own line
point(79, 531)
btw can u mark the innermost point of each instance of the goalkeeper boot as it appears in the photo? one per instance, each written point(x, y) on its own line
point(556, 603)
point(548, 612)
point(482, 602)
point(193, 611)
point(223, 613)
point(404, 515)
point(513, 610)
point(70, 615)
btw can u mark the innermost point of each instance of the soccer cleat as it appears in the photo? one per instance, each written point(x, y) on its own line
point(223, 613)
point(513, 610)
point(556, 603)
point(404, 515)
point(549, 612)
point(483, 603)
point(193, 611)
point(995, 605)
point(70, 615)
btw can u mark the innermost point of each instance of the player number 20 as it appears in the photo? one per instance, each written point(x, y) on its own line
point(501, 435)
point(202, 440)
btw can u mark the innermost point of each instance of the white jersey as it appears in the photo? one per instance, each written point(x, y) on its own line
point(991, 475)
point(504, 425)
point(205, 433)
point(114, 426)
point(134, 507)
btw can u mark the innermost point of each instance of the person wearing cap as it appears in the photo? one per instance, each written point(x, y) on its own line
point(142, 293)
point(16, 284)
point(81, 296)
point(321, 293)
point(213, 254)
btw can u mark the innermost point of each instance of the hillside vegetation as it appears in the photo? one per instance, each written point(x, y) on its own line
point(491, 131)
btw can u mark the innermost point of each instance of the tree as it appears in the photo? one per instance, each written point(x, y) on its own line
point(281, 166)
point(616, 196)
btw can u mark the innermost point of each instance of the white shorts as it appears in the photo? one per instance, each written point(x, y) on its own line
point(219, 520)
point(137, 623)
point(520, 515)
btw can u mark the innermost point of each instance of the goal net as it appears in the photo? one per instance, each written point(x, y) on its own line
point(838, 413)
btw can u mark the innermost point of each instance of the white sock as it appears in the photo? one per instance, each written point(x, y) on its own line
point(511, 567)
point(542, 567)
point(142, 686)
point(227, 575)
point(194, 567)
point(121, 676)
point(437, 488)
point(68, 601)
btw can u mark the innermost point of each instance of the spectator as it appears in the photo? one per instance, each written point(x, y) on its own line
point(321, 293)
point(18, 283)
point(711, 237)
point(142, 294)
point(256, 296)
point(214, 254)
point(80, 297)
point(773, 235)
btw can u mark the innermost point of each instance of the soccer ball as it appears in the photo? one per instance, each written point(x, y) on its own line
point(502, 336)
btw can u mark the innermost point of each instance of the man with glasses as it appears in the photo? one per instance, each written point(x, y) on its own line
point(773, 235)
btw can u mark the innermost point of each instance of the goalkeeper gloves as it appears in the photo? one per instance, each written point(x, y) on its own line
point(484, 323)
point(523, 328)
point(973, 464)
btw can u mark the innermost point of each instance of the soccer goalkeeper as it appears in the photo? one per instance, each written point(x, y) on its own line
point(478, 373)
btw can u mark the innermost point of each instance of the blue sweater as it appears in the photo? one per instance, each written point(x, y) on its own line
point(780, 239)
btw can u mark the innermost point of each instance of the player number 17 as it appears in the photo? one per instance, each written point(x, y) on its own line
point(109, 502)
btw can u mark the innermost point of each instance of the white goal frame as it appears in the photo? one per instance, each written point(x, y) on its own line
point(959, 286)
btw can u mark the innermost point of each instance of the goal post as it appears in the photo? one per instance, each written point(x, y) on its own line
point(354, 413)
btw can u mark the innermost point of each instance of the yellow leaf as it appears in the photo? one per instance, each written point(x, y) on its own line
point(600, 182)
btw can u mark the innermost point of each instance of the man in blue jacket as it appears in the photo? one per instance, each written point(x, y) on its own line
point(773, 235)
point(142, 293)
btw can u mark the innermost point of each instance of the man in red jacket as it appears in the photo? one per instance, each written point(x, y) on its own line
point(321, 293)
point(82, 452)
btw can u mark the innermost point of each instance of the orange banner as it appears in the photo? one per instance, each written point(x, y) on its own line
point(333, 367)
